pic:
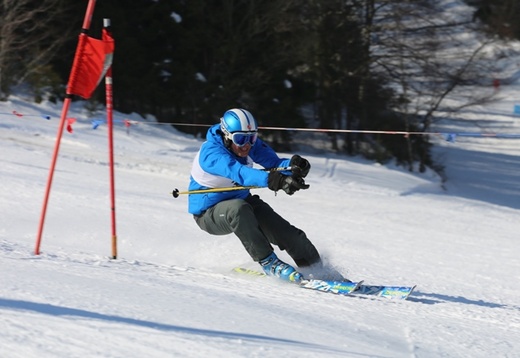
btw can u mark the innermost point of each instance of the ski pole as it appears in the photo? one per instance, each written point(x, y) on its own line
point(176, 191)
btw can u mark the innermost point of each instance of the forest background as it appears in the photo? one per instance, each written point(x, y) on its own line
point(356, 65)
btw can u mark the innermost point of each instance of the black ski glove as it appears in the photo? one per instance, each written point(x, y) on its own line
point(301, 163)
point(288, 183)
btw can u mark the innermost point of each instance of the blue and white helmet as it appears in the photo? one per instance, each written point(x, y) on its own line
point(237, 120)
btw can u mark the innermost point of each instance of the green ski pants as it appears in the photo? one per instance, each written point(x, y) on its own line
point(258, 227)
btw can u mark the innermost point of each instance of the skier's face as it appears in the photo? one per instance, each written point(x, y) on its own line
point(241, 151)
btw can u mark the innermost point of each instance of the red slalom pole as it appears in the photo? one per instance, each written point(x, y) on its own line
point(65, 109)
point(110, 121)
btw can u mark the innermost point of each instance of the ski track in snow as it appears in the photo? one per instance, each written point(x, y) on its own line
point(63, 305)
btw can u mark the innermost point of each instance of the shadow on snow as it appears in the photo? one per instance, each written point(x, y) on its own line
point(434, 298)
point(53, 310)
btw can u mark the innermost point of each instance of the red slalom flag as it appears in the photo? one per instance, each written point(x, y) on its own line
point(92, 60)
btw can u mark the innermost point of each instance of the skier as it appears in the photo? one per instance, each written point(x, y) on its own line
point(226, 159)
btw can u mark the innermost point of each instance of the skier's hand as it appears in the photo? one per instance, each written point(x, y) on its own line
point(288, 183)
point(302, 163)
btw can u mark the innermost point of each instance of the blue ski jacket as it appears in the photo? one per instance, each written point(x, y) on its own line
point(216, 166)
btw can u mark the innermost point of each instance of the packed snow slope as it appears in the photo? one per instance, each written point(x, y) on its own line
point(170, 292)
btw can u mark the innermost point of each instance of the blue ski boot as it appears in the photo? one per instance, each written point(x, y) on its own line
point(273, 266)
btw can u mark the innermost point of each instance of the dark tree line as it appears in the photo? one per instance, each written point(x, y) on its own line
point(500, 15)
point(357, 64)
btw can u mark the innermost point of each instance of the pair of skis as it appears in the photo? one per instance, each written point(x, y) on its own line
point(345, 287)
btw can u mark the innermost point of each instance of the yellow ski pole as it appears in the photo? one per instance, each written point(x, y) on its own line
point(176, 191)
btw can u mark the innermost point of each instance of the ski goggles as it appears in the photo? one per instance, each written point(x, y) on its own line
point(240, 139)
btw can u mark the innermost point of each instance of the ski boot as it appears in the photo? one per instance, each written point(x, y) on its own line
point(273, 266)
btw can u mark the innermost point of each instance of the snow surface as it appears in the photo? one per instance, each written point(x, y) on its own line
point(170, 292)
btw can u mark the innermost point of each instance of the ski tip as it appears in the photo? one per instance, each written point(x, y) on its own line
point(411, 291)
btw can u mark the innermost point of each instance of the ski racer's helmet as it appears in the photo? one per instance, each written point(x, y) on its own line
point(239, 126)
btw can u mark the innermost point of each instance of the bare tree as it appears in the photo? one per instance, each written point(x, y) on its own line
point(30, 34)
point(429, 56)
